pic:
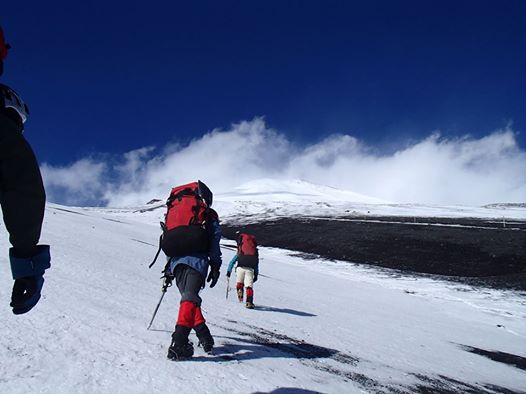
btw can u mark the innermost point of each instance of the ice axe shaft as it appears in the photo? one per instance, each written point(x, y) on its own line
point(167, 283)
point(156, 309)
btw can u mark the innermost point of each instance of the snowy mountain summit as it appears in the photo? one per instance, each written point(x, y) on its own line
point(267, 199)
point(297, 190)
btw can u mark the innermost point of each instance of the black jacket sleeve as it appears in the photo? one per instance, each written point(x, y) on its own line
point(22, 193)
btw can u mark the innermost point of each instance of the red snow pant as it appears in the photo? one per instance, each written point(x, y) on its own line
point(189, 282)
point(190, 315)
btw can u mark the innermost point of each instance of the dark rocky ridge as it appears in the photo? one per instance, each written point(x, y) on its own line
point(474, 251)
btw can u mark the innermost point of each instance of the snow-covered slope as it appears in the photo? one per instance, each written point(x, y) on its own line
point(320, 326)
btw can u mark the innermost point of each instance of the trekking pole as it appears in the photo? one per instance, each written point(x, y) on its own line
point(166, 284)
point(227, 286)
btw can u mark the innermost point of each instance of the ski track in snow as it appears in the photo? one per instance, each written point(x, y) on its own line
point(320, 326)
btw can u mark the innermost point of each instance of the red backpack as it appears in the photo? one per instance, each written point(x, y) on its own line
point(247, 251)
point(247, 245)
point(184, 226)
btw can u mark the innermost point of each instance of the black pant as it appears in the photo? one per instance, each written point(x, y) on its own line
point(22, 194)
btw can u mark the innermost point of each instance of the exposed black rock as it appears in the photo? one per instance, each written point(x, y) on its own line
point(474, 251)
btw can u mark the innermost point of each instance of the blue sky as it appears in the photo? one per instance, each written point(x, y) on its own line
point(105, 78)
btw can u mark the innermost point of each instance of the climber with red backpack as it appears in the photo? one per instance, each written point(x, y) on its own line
point(247, 270)
point(190, 240)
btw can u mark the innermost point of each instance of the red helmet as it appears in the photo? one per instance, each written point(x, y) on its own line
point(3, 46)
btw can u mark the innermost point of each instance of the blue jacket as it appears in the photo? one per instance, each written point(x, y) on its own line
point(200, 261)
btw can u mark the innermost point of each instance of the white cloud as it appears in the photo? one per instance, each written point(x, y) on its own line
point(435, 170)
point(77, 184)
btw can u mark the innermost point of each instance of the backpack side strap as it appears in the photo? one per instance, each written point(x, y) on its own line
point(156, 254)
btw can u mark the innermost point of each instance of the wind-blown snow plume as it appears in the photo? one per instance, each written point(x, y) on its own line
point(434, 170)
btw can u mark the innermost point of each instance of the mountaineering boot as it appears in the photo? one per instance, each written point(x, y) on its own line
point(180, 348)
point(250, 303)
point(183, 352)
point(205, 338)
point(240, 294)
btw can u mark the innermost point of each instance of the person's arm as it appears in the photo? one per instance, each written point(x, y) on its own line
point(231, 265)
point(23, 198)
point(22, 193)
point(256, 271)
point(214, 237)
point(214, 251)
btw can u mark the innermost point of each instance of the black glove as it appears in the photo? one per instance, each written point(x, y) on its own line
point(213, 276)
point(168, 279)
point(167, 273)
point(28, 273)
point(228, 274)
point(26, 293)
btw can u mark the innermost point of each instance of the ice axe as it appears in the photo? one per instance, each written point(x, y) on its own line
point(166, 284)
point(227, 286)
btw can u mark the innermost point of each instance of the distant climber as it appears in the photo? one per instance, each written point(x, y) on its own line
point(247, 270)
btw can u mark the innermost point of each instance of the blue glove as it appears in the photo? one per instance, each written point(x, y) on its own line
point(28, 273)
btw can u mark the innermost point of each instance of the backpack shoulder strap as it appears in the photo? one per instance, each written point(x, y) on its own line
point(212, 215)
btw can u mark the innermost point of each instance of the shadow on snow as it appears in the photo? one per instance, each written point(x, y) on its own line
point(283, 310)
